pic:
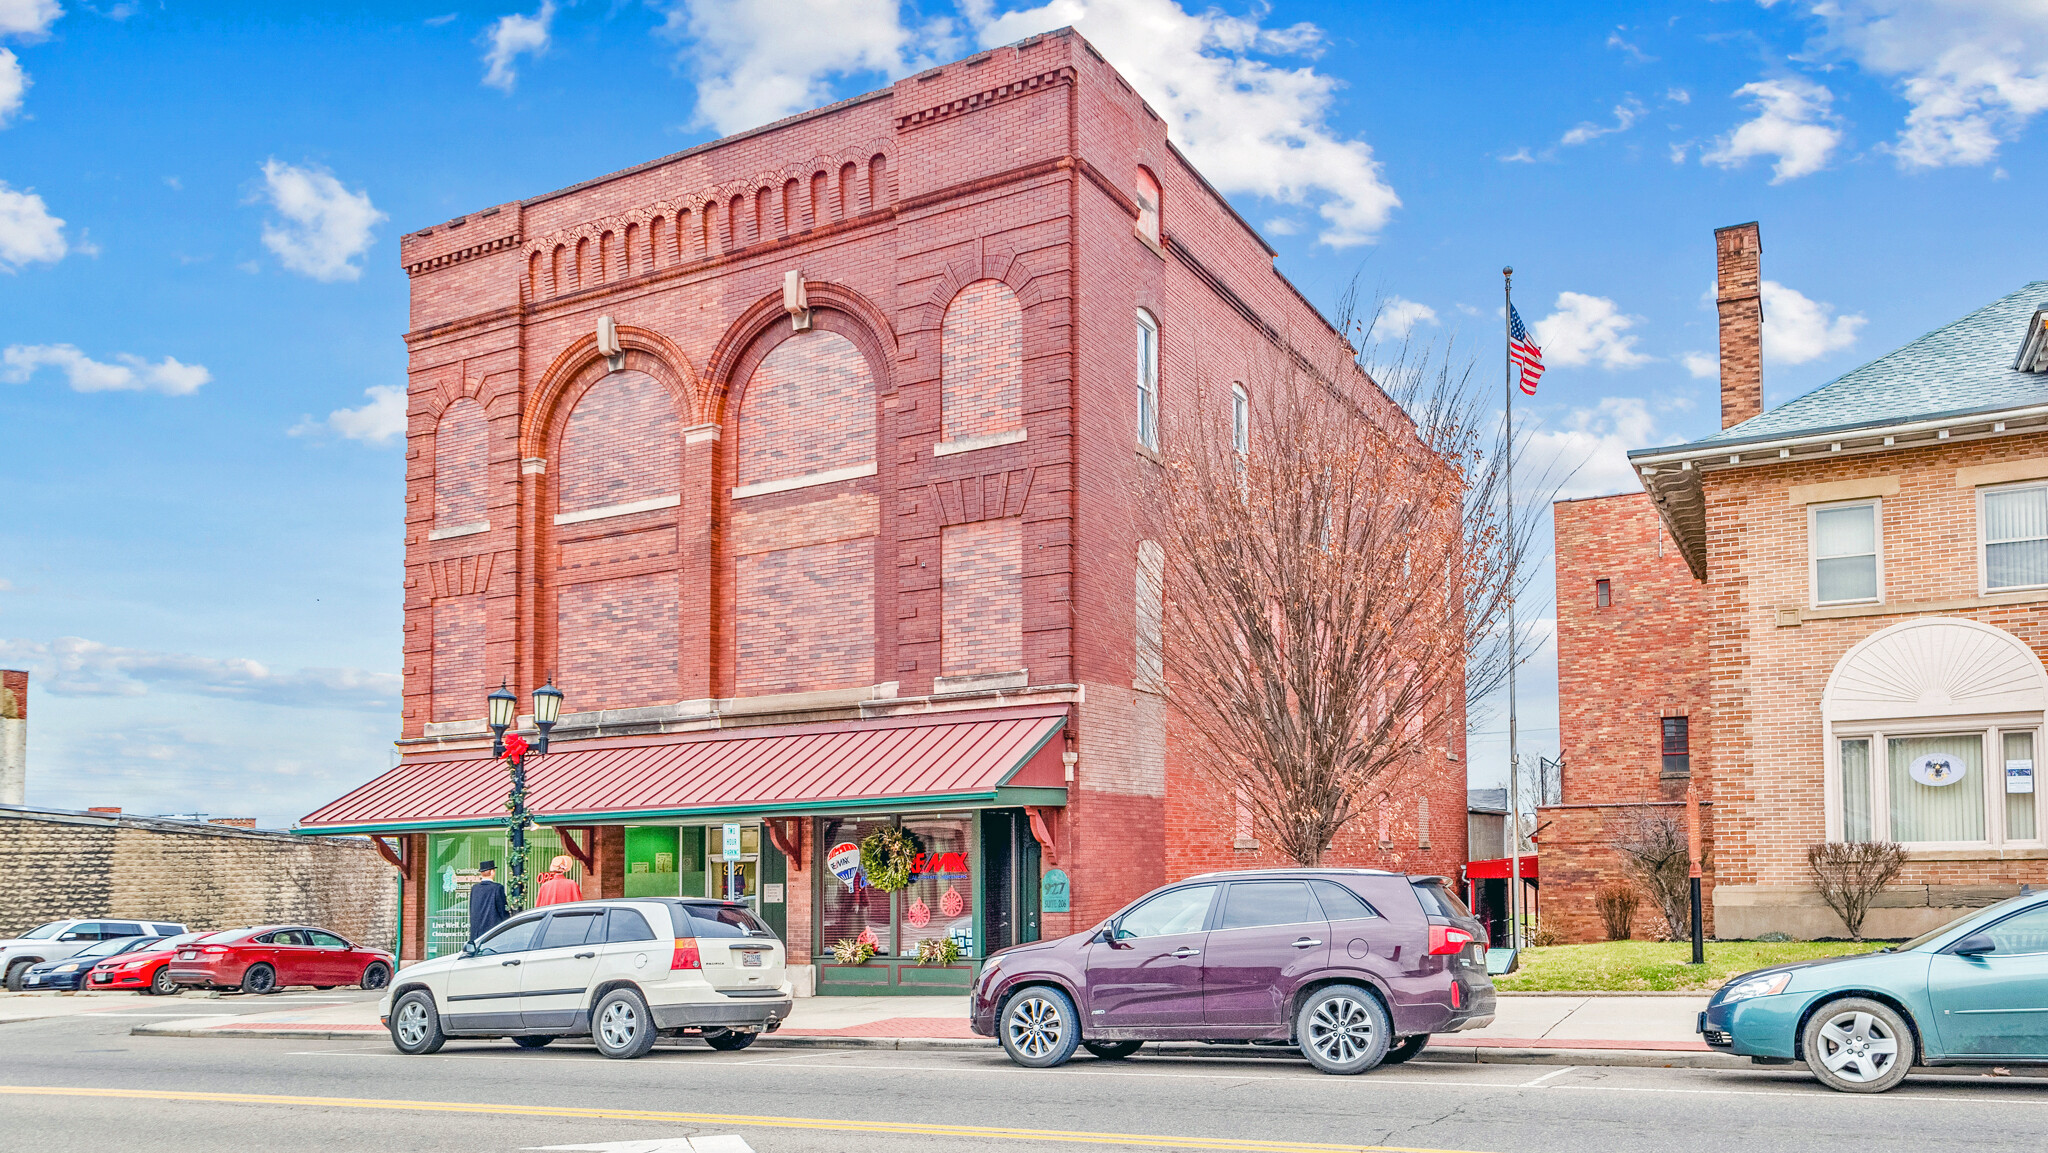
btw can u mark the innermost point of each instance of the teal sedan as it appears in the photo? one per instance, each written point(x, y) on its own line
point(1973, 992)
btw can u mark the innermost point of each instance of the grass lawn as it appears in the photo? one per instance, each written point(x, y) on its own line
point(1625, 966)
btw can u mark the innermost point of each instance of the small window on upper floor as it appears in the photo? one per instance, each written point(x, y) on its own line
point(2014, 524)
point(1846, 546)
point(1240, 420)
point(1603, 593)
point(1677, 746)
point(1147, 196)
point(1148, 380)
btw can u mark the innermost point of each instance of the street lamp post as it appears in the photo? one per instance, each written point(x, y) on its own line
point(513, 750)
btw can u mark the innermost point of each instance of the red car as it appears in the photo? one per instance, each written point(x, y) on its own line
point(147, 968)
point(269, 957)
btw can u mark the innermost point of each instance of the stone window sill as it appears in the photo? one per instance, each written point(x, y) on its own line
point(456, 530)
point(763, 488)
point(2009, 853)
point(627, 509)
point(970, 443)
point(1789, 617)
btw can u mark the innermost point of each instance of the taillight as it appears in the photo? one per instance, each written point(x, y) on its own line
point(1445, 940)
point(214, 949)
point(685, 956)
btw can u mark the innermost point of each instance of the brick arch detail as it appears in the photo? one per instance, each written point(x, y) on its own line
point(579, 366)
point(995, 264)
point(764, 324)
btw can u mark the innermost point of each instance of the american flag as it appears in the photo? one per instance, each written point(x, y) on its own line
point(1523, 351)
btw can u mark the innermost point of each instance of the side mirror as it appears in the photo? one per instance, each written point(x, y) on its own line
point(71, 937)
point(1974, 945)
point(469, 948)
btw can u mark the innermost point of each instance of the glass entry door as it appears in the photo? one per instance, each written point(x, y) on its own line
point(737, 877)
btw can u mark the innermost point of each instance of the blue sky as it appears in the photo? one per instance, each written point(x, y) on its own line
point(200, 304)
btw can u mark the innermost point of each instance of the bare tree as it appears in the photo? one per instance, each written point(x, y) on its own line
point(1655, 854)
point(1332, 594)
point(1618, 903)
point(1850, 874)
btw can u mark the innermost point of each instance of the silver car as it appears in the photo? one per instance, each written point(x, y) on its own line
point(60, 939)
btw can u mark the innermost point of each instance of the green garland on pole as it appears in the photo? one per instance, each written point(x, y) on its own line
point(886, 856)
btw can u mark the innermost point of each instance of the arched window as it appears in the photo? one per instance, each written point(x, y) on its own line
point(807, 416)
point(1148, 380)
point(982, 353)
point(1147, 195)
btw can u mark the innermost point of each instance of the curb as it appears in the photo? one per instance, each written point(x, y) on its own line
point(1696, 994)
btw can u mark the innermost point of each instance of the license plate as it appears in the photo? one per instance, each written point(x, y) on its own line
point(188, 956)
point(750, 960)
point(102, 976)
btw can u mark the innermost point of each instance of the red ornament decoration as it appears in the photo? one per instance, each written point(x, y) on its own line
point(515, 747)
point(952, 903)
point(919, 914)
point(867, 937)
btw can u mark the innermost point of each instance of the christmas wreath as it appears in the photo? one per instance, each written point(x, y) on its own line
point(938, 951)
point(886, 856)
point(852, 952)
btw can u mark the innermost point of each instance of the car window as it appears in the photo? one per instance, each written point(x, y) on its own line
point(163, 930)
point(2022, 932)
point(1340, 903)
point(82, 931)
point(45, 932)
point(1174, 911)
point(1438, 901)
point(288, 937)
point(122, 929)
point(510, 937)
point(565, 929)
point(1972, 915)
point(1247, 904)
point(725, 921)
point(325, 940)
point(627, 925)
point(222, 937)
point(104, 948)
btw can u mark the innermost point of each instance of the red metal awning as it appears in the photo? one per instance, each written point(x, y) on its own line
point(1497, 869)
point(906, 763)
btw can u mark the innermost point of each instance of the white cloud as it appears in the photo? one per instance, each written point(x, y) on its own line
point(13, 82)
point(28, 232)
point(1677, 96)
point(1974, 71)
point(1701, 365)
point(378, 422)
point(1588, 454)
point(76, 667)
point(758, 62)
point(325, 225)
point(1518, 156)
point(1795, 122)
point(1797, 330)
point(1625, 116)
point(28, 19)
point(131, 374)
point(1588, 330)
point(511, 36)
point(1399, 317)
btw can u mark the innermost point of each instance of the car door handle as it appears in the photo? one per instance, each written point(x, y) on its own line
point(585, 956)
point(1184, 951)
point(513, 961)
point(1306, 942)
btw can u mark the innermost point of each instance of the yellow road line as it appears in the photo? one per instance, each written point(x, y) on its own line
point(891, 1128)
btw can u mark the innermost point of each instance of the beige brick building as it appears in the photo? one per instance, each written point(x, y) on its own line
point(1874, 562)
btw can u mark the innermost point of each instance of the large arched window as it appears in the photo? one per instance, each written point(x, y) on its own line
point(982, 350)
point(807, 417)
point(1933, 726)
point(1147, 195)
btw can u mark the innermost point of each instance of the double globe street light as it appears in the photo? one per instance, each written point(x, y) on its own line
point(513, 750)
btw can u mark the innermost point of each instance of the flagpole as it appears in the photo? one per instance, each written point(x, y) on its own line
point(1514, 822)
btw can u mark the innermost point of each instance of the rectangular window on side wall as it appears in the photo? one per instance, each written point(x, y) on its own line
point(1677, 745)
point(1846, 549)
point(1240, 420)
point(2014, 525)
point(1148, 381)
point(1603, 593)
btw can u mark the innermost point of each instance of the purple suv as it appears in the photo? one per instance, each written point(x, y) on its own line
point(1356, 966)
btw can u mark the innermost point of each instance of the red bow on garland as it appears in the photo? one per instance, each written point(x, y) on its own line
point(515, 748)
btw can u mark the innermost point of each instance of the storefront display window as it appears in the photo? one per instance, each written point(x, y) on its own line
point(653, 862)
point(939, 901)
point(453, 859)
point(848, 908)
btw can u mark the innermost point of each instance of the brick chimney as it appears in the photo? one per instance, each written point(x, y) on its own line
point(1738, 293)
point(13, 737)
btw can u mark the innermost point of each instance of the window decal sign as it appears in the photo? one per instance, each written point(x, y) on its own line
point(2019, 776)
point(1053, 892)
point(843, 862)
point(1937, 769)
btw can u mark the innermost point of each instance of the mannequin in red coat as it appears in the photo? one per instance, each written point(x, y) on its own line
point(555, 885)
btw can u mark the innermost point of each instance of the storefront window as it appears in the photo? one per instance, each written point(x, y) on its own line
point(939, 902)
point(848, 909)
point(653, 862)
point(2019, 786)
point(1937, 788)
point(453, 859)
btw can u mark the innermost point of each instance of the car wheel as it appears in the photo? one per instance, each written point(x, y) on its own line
point(416, 1024)
point(1039, 1027)
point(1112, 1050)
point(728, 1040)
point(376, 976)
point(160, 983)
point(1407, 1048)
point(622, 1026)
point(260, 979)
point(15, 972)
point(1343, 1029)
point(1858, 1045)
point(533, 1042)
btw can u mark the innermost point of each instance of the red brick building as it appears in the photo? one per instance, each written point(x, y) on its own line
point(804, 463)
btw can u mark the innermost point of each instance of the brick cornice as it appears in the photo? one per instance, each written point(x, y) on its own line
point(482, 248)
point(987, 98)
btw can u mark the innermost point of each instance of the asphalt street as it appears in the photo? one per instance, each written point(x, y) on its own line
point(83, 1074)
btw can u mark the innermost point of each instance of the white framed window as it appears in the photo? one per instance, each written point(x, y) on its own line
point(1959, 785)
point(1147, 195)
point(1240, 420)
point(2012, 523)
point(1846, 552)
point(1148, 381)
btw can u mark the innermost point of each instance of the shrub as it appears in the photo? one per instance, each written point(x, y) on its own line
point(938, 951)
point(1850, 874)
point(850, 951)
point(1774, 937)
point(1542, 936)
point(1618, 903)
point(1655, 855)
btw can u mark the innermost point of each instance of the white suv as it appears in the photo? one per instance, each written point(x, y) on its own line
point(618, 971)
point(61, 939)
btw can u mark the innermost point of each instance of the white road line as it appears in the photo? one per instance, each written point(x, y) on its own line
point(1547, 1076)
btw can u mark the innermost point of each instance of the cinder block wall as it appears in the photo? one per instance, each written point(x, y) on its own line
point(59, 864)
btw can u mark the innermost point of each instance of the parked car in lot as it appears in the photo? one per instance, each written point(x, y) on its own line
point(68, 974)
point(1355, 966)
point(146, 968)
point(269, 957)
point(619, 971)
point(1973, 992)
point(58, 940)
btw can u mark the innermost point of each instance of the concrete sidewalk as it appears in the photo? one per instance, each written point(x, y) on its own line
point(1645, 1031)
